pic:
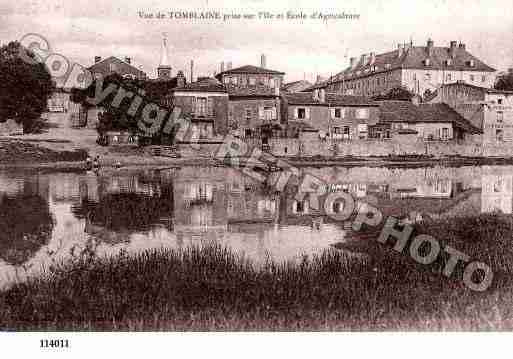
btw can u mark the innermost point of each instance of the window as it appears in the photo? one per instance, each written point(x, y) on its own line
point(499, 135)
point(483, 78)
point(227, 80)
point(201, 106)
point(301, 113)
point(300, 207)
point(269, 113)
point(499, 101)
point(500, 116)
point(448, 62)
point(427, 76)
point(113, 67)
point(346, 131)
point(248, 115)
point(448, 77)
point(362, 113)
point(427, 62)
point(471, 78)
point(362, 130)
point(271, 83)
point(337, 130)
point(252, 81)
point(234, 80)
point(445, 133)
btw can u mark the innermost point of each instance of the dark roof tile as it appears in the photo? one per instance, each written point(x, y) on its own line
point(332, 99)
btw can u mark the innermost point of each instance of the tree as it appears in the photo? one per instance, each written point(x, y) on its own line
point(24, 88)
point(397, 93)
point(505, 82)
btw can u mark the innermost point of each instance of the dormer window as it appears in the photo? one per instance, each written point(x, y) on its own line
point(471, 63)
point(427, 62)
point(448, 62)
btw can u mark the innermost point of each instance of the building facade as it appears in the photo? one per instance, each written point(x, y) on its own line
point(420, 69)
point(489, 109)
point(205, 102)
point(336, 116)
point(429, 122)
point(254, 100)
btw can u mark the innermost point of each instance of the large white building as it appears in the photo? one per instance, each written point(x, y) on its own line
point(420, 69)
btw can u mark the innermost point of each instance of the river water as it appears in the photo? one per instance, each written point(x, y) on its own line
point(48, 217)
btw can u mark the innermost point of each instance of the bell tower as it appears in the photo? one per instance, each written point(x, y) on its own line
point(164, 69)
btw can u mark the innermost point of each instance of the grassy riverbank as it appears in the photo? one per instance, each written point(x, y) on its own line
point(213, 289)
point(19, 152)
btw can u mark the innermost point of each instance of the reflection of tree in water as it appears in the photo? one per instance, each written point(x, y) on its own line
point(127, 210)
point(25, 226)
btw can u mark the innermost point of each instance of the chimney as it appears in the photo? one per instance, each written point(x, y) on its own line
point(229, 66)
point(363, 59)
point(222, 66)
point(452, 48)
point(97, 59)
point(318, 79)
point(180, 79)
point(263, 61)
point(399, 50)
point(352, 62)
point(322, 95)
point(128, 60)
point(192, 70)
point(372, 58)
point(429, 47)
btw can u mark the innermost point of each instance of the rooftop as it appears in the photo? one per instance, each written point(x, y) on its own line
point(332, 99)
point(203, 84)
point(249, 69)
point(455, 58)
point(405, 111)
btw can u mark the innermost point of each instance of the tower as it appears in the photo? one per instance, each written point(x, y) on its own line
point(164, 69)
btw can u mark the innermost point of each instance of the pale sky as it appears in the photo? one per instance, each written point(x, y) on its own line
point(81, 29)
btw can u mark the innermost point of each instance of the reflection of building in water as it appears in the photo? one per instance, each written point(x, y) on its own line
point(497, 193)
point(431, 188)
point(200, 202)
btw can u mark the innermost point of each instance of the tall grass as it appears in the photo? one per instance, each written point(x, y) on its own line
point(211, 288)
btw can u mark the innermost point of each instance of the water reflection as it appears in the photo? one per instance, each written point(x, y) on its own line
point(49, 217)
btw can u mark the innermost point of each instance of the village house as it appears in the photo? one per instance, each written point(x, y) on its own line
point(429, 122)
point(488, 109)
point(205, 102)
point(420, 69)
point(254, 100)
point(335, 116)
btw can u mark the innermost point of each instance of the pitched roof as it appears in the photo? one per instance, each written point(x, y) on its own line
point(250, 69)
point(484, 89)
point(405, 111)
point(303, 84)
point(115, 59)
point(413, 57)
point(332, 99)
point(203, 84)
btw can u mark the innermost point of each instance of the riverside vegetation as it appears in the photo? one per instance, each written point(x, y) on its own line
point(211, 288)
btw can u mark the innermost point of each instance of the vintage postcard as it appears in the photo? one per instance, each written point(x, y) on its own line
point(254, 166)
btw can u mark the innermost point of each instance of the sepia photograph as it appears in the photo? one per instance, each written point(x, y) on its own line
point(255, 166)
